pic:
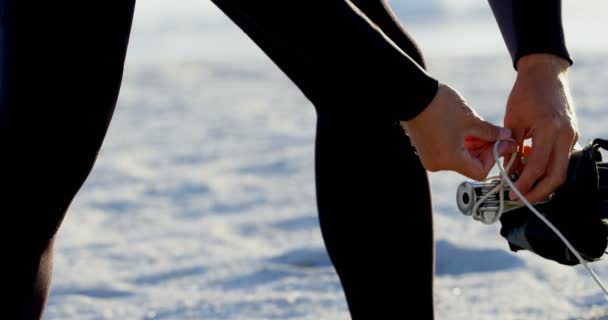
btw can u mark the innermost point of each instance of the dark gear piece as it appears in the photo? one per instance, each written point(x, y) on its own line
point(578, 209)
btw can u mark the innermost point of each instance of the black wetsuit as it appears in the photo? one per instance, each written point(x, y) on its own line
point(61, 69)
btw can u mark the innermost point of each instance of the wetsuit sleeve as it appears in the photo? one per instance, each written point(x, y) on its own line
point(336, 56)
point(531, 26)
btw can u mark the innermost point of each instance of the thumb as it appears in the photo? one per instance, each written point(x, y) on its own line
point(487, 131)
point(471, 167)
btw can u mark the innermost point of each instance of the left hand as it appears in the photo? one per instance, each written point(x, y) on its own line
point(449, 135)
point(540, 107)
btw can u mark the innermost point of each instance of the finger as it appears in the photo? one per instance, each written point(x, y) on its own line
point(507, 147)
point(477, 164)
point(473, 143)
point(486, 131)
point(476, 145)
point(542, 145)
point(519, 166)
point(471, 167)
point(556, 175)
point(487, 156)
point(519, 136)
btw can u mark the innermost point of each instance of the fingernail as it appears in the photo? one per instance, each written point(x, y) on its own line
point(505, 133)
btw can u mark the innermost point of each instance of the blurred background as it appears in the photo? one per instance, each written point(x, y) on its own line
point(202, 204)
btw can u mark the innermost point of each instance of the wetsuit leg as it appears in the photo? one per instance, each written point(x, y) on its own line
point(375, 206)
point(375, 216)
point(372, 192)
point(61, 69)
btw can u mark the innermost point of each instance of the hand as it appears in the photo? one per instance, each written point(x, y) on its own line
point(540, 107)
point(449, 135)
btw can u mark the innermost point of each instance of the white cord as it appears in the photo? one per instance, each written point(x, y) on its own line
point(505, 177)
point(498, 188)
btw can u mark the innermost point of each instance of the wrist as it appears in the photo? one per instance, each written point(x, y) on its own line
point(542, 62)
point(422, 115)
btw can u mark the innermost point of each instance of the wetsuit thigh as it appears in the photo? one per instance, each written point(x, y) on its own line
point(61, 70)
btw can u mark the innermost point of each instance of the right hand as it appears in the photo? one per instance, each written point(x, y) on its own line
point(540, 107)
point(449, 135)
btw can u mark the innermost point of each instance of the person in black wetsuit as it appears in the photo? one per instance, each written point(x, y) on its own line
point(61, 69)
